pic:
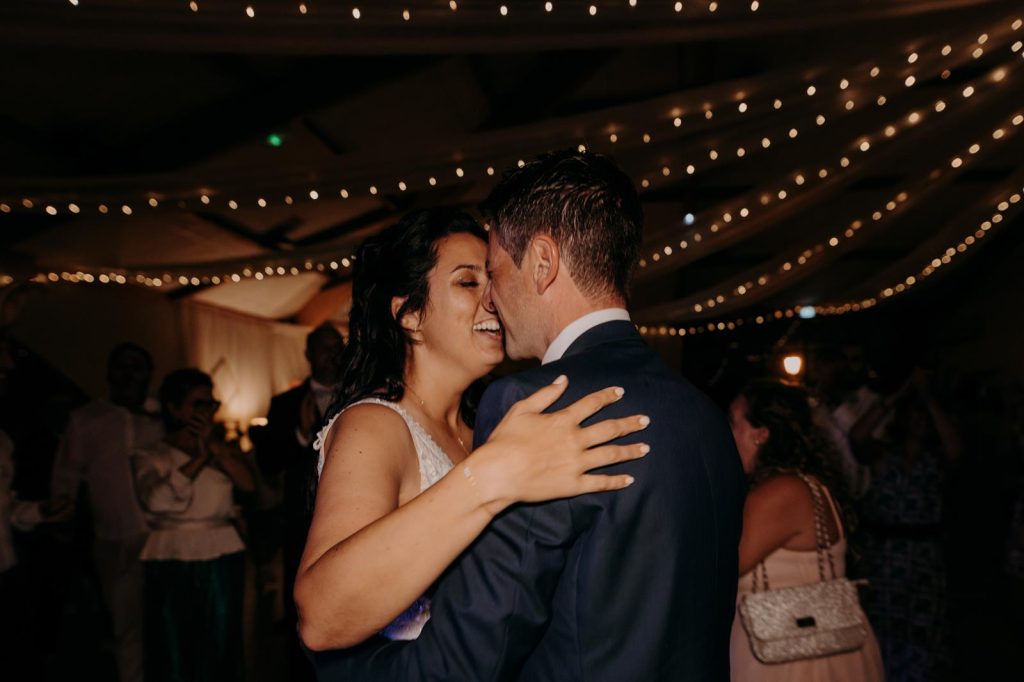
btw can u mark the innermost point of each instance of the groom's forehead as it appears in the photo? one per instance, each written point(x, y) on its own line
point(493, 247)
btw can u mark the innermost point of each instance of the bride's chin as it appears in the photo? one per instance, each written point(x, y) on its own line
point(493, 359)
point(490, 359)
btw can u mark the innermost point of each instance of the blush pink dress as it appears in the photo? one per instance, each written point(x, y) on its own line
point(789, 568)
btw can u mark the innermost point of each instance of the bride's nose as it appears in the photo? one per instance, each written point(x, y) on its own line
point(487, 302)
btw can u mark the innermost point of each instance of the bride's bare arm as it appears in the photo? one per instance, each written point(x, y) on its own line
point(367, 558)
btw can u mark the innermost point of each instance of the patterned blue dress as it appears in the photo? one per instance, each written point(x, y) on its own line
point(905, 564)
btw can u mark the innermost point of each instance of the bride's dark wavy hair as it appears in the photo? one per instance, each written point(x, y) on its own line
point(796, 443)
point(393, 263)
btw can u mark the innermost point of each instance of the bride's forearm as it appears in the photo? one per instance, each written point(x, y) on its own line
point(362, 583)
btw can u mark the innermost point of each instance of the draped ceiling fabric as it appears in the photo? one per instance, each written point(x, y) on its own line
point(250, 359)
point(834, 158)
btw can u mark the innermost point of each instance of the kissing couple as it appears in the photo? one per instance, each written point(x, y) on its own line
point(580, 521)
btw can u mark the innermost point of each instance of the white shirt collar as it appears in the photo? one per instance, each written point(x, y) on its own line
point(578, 328)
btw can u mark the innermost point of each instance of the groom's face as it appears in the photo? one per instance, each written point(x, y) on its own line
point(508, 294)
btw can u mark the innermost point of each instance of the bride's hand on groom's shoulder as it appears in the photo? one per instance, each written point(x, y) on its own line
point(533, 456)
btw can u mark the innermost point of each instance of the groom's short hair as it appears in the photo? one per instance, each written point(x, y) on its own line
point(585, 203)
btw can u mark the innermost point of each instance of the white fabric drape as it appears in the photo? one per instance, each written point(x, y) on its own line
point(250, 360)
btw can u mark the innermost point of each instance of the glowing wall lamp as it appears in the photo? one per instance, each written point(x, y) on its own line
point(793, 365)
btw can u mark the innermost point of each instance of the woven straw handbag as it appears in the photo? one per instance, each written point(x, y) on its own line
point(807, 621)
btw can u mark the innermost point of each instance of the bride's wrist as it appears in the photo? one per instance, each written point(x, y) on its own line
point(488, 479)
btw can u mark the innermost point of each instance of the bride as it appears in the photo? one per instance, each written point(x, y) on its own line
point(402, 492)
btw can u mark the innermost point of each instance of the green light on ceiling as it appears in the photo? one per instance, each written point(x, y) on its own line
point(275, 140)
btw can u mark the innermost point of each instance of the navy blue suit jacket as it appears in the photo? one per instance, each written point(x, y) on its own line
point(638, 584)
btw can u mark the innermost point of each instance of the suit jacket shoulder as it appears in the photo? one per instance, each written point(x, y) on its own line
point(289, 401)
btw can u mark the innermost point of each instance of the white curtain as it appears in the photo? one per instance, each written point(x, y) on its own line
point(249, 359)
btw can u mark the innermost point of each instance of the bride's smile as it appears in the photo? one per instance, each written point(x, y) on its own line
point(456, 324)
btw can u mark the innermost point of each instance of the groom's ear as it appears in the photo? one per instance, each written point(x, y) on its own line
point(546, 261)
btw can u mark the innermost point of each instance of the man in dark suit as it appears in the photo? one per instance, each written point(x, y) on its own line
point(284, 449)
point(638, 584)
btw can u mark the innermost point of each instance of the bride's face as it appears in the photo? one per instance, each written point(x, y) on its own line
point(455, 324)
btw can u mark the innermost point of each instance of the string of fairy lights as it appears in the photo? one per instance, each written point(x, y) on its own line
point(404, 12)
point(987, 40)
point(915, 71)
point(697, 229)
point(799, 180)
point(211, 197)
point(762, 141)
point(789, 267)
point(310, 265)
point(723, 325)
point(958, 162)
point(1009, 203)
point(228, 276)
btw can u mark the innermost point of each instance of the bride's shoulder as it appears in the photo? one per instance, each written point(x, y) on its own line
point(372, 414)
point(368, 425)
point(366, 450)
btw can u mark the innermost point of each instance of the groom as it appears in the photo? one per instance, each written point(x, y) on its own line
point(632, 585)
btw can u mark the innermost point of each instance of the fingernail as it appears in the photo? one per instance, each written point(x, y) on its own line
point(630, 480)
point(645, 420)
point(561, 379)
point(620, 391)
point(645, 448)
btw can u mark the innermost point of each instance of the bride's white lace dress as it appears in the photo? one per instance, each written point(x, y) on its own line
point(434, 464)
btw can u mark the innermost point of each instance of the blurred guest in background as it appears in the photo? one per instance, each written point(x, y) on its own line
point(842, 396)
point(20, 655)
point(1013, 563)
point(95, 451)
point(903, 519)
point(285, 449)
point(778, 441)
point(16, 605)
point(194, 560)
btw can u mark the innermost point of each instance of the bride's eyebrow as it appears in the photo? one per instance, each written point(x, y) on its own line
point(467, 266)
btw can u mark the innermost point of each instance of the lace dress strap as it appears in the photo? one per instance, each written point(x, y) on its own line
point(434, 463)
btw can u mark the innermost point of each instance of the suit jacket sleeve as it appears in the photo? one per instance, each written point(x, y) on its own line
point(493, 605)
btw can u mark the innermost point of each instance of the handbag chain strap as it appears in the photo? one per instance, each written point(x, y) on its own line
point(820, 537)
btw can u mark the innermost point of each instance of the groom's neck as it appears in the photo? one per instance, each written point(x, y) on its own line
point(572, 307)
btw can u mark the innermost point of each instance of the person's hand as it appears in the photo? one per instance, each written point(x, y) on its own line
point(201, 426)
point(219, 451)
point(56, 509)
point(308, 414)
point(532, 456)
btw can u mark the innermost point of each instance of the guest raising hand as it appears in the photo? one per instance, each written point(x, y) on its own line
point(194, 556)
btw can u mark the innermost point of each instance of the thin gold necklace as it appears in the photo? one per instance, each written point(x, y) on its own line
point(423, 407)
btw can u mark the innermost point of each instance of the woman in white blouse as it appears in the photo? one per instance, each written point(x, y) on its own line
point(194, 562)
